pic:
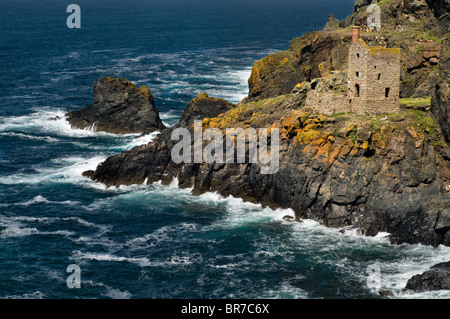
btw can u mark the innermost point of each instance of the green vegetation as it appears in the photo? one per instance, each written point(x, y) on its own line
point(418, 49)
point(416, 102)
point(426, 35)
point(384, 2)
point(435, 69)
point(396, 117)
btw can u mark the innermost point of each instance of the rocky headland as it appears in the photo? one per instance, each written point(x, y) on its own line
point(374, 172)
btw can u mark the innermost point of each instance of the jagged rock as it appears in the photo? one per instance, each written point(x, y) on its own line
point(153, 161)
point(119, 107)
point(440, 103)
point(203, 106)
point(303, 87)
point(333, 23)
point(440, 7)
point(437, 278)
point(278, 73)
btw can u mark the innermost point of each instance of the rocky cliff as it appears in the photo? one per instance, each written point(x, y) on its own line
point(119, 107)
point(378, 174)
point(383, 173)
point(410, 25)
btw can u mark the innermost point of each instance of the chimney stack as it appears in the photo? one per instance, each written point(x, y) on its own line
point(355, 35)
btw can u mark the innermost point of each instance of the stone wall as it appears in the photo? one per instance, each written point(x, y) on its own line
point(327, 103)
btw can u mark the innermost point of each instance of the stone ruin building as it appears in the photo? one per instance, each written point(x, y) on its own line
point(373, 82)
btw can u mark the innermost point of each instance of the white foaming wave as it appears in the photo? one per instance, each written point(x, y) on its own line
point(172, 189)
point(32, 295)
point(110, 292)
point(13, 227)
point(141, 140)
point(63, 76)
point(51, 121)
point(40, 199)
point(141, 261)
point(70, 173)
point(350, 234)
point(286, 291)
point(241, 212)
point(117, 293)
point(419, 258)
point(357, 233)
point(238, 87)
point(162, 235)
point(31, 137)
point(40, 121)
point(48, 220)
point(172, 261)
point(171, 116)
point(416, 259)
point(16, 230)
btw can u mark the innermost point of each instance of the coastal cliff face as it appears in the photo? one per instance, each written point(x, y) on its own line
point(377, 173)
point(119, 107)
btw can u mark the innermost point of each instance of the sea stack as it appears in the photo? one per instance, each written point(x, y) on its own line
point(119, 107)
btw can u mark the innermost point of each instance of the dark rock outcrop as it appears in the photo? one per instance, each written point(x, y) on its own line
point(440, 7)
point(437, 278)
point(202, 107)
point(119, 107)
point(441, 98)
point(152, 162)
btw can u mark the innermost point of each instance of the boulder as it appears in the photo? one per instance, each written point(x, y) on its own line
point(437, 278)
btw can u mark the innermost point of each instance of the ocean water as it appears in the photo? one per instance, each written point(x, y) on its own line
point(158, 241)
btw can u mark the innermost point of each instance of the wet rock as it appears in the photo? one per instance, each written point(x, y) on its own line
point(437, 278)
point(386, 293)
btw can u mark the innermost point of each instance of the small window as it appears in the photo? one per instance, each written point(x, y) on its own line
point(386, 92)
point(379, 76)
point(357, 55)
point(357, 74)
point(357, 90)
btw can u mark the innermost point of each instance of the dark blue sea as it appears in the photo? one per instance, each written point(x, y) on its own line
point(158, 241)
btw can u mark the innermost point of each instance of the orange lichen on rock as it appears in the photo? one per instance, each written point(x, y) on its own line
point(419, 137)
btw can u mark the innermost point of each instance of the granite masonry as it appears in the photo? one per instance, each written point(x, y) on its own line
point(373, 82)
